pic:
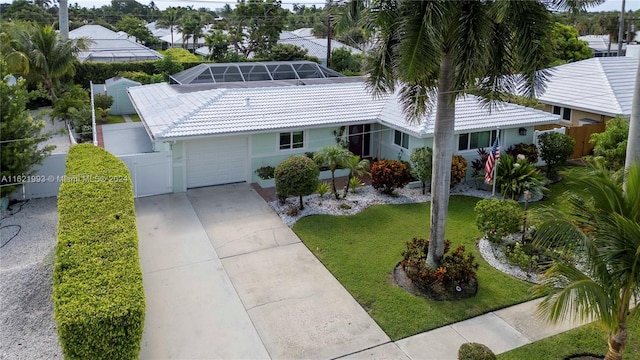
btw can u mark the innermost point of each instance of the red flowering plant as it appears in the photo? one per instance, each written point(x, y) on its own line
point(454, 278)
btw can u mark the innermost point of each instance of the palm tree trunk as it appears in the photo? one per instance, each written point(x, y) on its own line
point(442, 154)
point(633, 142)
point(333, 183)
point(616, 344)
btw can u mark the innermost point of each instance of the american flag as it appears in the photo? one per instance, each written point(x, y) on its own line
point(494, 155)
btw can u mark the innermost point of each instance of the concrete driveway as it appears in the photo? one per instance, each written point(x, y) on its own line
point(226, 279)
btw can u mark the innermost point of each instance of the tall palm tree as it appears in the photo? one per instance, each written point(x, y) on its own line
point(333, 157)
point(601, 221)
point(432, 52)
point(50, 56)
point(169, 19)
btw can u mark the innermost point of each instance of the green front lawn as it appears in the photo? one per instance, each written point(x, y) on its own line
point(114, 119)
point(135, 117)
point(362, 250)
point(586, 339)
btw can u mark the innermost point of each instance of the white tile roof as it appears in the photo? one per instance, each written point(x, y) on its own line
point(117, 50)
point(471, 115)
point(94, 32)
point(598, 85)
point(314, 46)
point(168, 114)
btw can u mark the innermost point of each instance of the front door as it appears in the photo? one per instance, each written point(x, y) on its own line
point(360, 140)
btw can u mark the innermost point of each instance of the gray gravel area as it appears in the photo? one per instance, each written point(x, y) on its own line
point(60, 134)
point(27, 326)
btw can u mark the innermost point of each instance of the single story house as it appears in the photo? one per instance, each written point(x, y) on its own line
point(601, 45)
point(110, 46)
point(585, 94)
point(98, 32)
point(220, 134)
point(316, 47)
point(591, 90)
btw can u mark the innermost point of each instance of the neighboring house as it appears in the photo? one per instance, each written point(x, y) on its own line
point(98, 32)
point(592, 90)
point(117, 50)
point(109, 46)
point(316, 47)
point(221, 133)
point(116, 87)
point(600, 45)
point(587, 93)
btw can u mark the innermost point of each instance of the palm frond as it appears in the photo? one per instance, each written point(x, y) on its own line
point(419, 50)
point(572, 295)
point(418, 101)
point(469, 45)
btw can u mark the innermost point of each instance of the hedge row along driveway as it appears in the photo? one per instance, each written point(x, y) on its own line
point(98, 296)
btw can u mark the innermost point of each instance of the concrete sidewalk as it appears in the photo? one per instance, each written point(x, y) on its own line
point(226, 279)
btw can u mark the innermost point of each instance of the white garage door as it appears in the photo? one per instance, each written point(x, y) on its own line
point(216, 161)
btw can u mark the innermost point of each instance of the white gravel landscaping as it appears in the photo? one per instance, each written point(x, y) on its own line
point(27, 326)
point(367, 196)
point(363, 198)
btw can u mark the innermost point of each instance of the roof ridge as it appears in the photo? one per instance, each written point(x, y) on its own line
point(218, 93)
point(609, 86)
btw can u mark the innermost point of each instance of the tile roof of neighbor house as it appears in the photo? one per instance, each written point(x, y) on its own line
point(117, 50)
point(315, 46)
point(96, 32)
point(600, 43)
point(169, 114)
point(598, 85)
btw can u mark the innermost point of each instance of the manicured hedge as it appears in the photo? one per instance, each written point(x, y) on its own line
point(98, 72)
point(98, 298)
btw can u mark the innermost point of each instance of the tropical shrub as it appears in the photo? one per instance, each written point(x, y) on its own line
point(266, 172)
point(475, 351)
point(98, 297)
point(357, 167)
point(355, 183)
point(72, 98)
point(142, 77)
point(530, 152)
point(81, 122)
point(102, 101)
point(388, 175)
point(497, 218)
point(322, 189)
point(458, 169)
point(454, 278)
point(297, 176)
point(612, 143)
point(555, 148)
point(422, 160)
point(514, 177)
point(18, 157)
point(478, 164)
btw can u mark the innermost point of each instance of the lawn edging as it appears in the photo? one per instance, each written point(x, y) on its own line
point(98, 296)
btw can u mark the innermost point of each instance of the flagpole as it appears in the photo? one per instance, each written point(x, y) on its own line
point(495, 166)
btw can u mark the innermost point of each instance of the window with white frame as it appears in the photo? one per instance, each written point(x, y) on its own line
point(291, 140)
point(401, 139)
point(565, 112)
point(476, 140)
